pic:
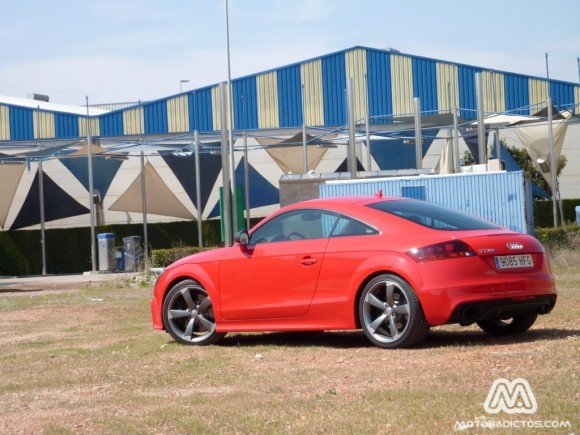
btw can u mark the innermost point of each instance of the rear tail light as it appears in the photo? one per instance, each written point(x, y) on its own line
point(442, 251)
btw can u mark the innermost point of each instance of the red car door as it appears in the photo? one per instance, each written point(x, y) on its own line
point(270, 280)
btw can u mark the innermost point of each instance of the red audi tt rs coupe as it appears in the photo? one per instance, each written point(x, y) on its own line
point(393, 267)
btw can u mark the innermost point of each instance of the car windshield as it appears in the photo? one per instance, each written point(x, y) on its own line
point(432, 215)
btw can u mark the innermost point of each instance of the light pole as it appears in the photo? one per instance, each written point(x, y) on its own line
point(181, 82)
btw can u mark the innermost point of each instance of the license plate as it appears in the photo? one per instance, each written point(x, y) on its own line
point(513, 261)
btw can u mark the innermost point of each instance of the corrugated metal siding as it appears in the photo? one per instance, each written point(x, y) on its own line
point(4, 123)
point(447, 86)
point(21, 123)
point(134, 121)
point(178, 114)
point(493, 91)
point(356, 68)
point(311, 73)
point(517, 94)
point(268, 115)
point(155, 116)
point(110, 124)
point(43, 125)
point(66, 125)
point(576, 94)
point(200, 110)
point(538, 95)
point(425, 84)
point(216, 108)
point(245, 104)
point(498, 196)
point(379, 85)
point(95, 126)
point(467, 100)
point(289, 97)
point(334, 89)
point(562, 93)
point(402, 84)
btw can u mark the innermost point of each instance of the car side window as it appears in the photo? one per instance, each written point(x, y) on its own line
point(346, 226)
point(296, 225)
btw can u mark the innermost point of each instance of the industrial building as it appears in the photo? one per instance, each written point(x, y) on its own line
point(290, 120)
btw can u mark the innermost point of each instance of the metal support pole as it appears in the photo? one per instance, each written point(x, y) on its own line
point(246, 181)
point(144, 206)
point(418, 135)
point(351, 150)
point(234, 205)
point(482, 148)
point(304, 135)
point(368, 139)
point(91, 190)
point(456, 157)
point(553, 163)
point(198, 189)
point(226, 200)
point(41, 194)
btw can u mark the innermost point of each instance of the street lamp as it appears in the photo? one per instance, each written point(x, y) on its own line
point(181, 82)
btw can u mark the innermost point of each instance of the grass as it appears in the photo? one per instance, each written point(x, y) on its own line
point(88, 361)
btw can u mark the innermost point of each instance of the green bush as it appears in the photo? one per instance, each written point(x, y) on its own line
point(566, 237)
point(164, 257)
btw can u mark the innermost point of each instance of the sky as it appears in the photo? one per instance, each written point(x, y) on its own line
point(112, 51)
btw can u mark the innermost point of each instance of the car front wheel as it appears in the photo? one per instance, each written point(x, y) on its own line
point(515, 325)
point(188, 314)
point(390, 313)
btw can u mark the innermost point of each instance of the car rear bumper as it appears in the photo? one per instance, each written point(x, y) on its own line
point(471, 312)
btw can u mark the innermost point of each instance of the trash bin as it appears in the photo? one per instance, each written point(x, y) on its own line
point(107, 261)
point(578, 215)
point(133, 253)
point(120, 257)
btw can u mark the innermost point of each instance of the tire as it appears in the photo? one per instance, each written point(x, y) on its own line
point(390, 313)
point(515, 325)
point(188, 314)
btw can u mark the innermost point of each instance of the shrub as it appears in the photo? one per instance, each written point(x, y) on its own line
point(164, 257)
point(566, 237)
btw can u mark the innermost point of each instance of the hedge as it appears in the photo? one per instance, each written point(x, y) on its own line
point(544, 212)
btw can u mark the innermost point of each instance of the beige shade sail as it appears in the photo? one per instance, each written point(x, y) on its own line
point(159, 197)
point(535, 138)
point(445, 165)
point(10, 176)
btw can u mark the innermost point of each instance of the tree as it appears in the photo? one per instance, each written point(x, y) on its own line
point(531, 171)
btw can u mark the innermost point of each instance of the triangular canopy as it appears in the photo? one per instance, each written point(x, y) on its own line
point(536, 140)
point(159, 197)
point(290, 158)
point(57, 204)
point(10, 176)
point(183, 167)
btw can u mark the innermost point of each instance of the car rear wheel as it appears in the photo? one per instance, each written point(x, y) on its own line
point(515, 325)
point(390, 313)
point(188, 314)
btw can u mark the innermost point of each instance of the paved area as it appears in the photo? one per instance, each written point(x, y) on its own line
point(54, 282)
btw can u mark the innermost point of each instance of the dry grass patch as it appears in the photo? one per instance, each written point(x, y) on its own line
point(88, 361)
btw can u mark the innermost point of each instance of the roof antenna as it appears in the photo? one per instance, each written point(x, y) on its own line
point(379, 194)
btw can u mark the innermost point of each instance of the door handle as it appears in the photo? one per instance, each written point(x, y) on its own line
point(308, 261)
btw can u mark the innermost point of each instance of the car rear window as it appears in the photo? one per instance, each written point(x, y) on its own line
point(432, 215)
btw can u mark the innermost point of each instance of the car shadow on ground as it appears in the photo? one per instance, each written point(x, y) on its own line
point(357, 339)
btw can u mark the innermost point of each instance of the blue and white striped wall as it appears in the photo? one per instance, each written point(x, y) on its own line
point(313, 92)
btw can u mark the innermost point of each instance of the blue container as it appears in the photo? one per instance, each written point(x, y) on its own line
point(578, 215)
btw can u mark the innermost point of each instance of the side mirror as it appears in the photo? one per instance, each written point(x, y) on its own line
point(242, 237)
